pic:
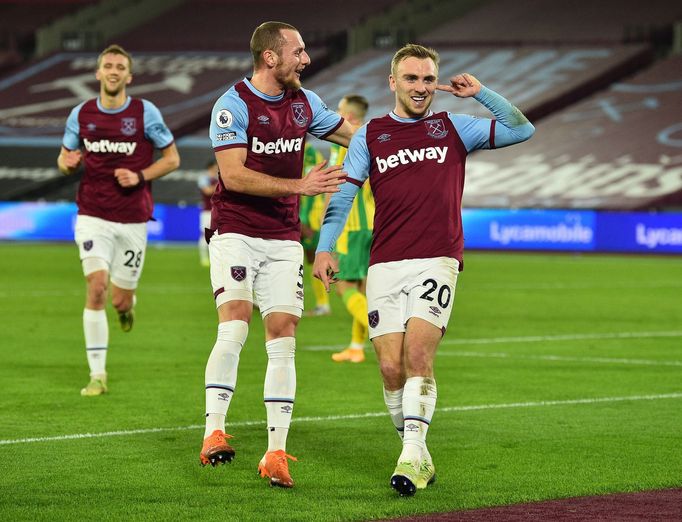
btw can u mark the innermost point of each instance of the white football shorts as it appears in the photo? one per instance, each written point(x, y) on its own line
point(121, 246)
point(271, 270)
point(399, 290)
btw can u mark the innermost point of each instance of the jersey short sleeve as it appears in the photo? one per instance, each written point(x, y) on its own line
point(356, 162)
point(474, 132)
point(229, 121)
point(155, 129)
point(325, 121)
point(71, 140)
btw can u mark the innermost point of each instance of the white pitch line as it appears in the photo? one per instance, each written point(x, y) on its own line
point(151, 290)
point(565, 337)
point(328, 418)
point(530, 339)
point(561, 358)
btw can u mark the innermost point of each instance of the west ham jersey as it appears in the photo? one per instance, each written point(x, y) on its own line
point(273, 130)
point(416, 172)
point(417, 177)
point(112, 139)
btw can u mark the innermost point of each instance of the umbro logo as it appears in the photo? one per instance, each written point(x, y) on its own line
point(384, 138)
point(411, 427)
point(224, 397)
point(286, 409)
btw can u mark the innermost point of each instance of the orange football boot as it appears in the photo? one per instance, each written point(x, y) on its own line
point(216, 450)
point(275, 466)
point(354, 355)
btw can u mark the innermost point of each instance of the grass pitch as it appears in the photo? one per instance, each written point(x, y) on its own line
point(559, 376)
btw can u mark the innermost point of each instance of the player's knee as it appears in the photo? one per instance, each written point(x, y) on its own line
point(392, 374)
point(281, 325)
point(97, 291)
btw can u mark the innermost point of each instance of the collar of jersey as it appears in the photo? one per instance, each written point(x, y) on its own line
point(408, 120)
point(113, 111)
point(266, 97)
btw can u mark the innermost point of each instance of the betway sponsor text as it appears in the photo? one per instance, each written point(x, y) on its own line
point(276, 147)
point(407, 156)
point(106, 146)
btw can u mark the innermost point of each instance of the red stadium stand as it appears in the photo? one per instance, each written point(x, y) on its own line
point(219, 26)
point(19, 20)
point(544, 56)
point(618, 149)
point(560, 23)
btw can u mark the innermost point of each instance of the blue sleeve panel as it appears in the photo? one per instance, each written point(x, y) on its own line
point(356, 166)
point(229, 121)
point(510, 127)
point(325, 121)
point(336, 216)
point(155, 129)
point(71, 140)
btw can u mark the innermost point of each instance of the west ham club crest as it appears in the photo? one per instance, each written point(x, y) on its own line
point(300, 117)
point(128, 126)
point(238, 273)
point(87, 245)
point(436, 128)
point(373, 318)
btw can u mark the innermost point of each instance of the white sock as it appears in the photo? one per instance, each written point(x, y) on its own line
point(394, 403)
point(279, 390)
point(96, 330)
point(221, 372)
point(419, 403)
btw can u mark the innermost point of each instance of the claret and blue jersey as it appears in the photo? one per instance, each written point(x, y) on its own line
point(273, 130)
point(416, 171)
point(115, 138)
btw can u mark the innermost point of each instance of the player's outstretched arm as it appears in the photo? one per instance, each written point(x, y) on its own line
point(334, 220)
point(68, 161)
point(513, 126)
point(238, 178)
point(343, 134)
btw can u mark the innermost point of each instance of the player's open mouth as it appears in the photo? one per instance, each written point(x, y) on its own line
point(418, 99)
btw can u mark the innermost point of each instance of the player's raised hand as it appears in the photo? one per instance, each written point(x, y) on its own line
point(462, 85)
point(325, 269)
point(128, 178)
point(322, 179)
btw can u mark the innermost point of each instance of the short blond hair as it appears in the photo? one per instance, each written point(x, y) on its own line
point(414, 51)
point(358, 103)
point(115, 49)
point(268, 35)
